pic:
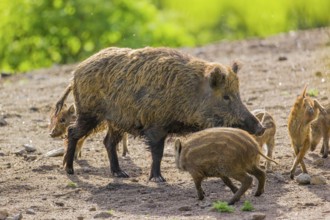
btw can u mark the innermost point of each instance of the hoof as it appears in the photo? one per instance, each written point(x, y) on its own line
point(120, 174)
point(234, 189)
point(292, 176)
point(232, 201)
point(325, 155)
point(157, 179)
point(258, 193)
point(69, 170)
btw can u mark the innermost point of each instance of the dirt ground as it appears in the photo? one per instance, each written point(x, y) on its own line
point(275, 71)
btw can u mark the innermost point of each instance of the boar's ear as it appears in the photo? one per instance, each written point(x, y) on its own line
point(178, 146)
point(236, 66)
point(71, 109)
point(216, 77)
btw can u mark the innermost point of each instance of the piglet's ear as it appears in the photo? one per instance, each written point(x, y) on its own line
point(216, 77)
point(178, 146)
point(236, 66)
point(303, 94)
point(71, 109)
point(320, 107)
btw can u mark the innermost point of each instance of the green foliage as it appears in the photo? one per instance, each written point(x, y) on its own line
point(223, 207)
point(313, 92)
point(40, 32)
point(247, 206)
point(215, 19)
point(72, 185)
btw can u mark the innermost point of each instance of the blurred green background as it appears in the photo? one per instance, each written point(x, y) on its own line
point(40, 33)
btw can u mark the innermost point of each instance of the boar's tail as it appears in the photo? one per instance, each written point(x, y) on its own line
point(60, 102)
point(267, 158)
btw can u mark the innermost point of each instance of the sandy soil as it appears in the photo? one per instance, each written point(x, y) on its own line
point(275, 71)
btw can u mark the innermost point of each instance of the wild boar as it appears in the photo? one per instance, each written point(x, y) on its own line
point(304, 111)
point(321, 129)
point(152, 92)
point(66, 116)
point(268, 137)
point(224, 153)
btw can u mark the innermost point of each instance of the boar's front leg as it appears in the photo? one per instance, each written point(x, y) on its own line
point(155, 138)
point(83, 126)
point(110, 142)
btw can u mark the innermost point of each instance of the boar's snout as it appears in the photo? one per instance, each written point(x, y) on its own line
point(253, 126)
point(260, 131)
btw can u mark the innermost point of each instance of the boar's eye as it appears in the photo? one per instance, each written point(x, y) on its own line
point(62, 120)
point(226, 97)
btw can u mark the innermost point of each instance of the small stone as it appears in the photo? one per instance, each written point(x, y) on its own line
point(282, 58)
point(5, 75)
point(279, 177)
point(319, 162)
point(3, 214)
point(20, 152)
point(184, 208)
point(92, 209)
point(80, 218)
point(29, 148)
point(31, 157)
point(309, 204)
point(318, 180)
point(134, 180)
point(318, 73)
point(3, 122)
point(303, 179)
point(103, 215)
point(187, 214)
point(258, 216)
point(59, 204)
point(55, 153)
point(34, 109)
point(16, 217)
point(86, 169)
point(30, 212)
point(2, 154)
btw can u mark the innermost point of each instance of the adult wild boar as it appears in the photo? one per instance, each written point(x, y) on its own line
point(152, 92)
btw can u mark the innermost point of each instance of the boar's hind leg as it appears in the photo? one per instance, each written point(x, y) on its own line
point(229, 183)
point(83, 126)
point(110, 142)
point(246, 181)
point(155, 138)
point(261, 177)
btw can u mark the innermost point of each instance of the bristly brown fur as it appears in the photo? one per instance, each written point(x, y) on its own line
point(221, 152)
point(321, 129)
point(268, 137)
point(153, 92)
point(65, 117)
point(304, 111)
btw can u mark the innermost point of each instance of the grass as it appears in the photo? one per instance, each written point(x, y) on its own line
point(247, 206)
point(72, 185)
point(223, 207)
point(313, 92)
